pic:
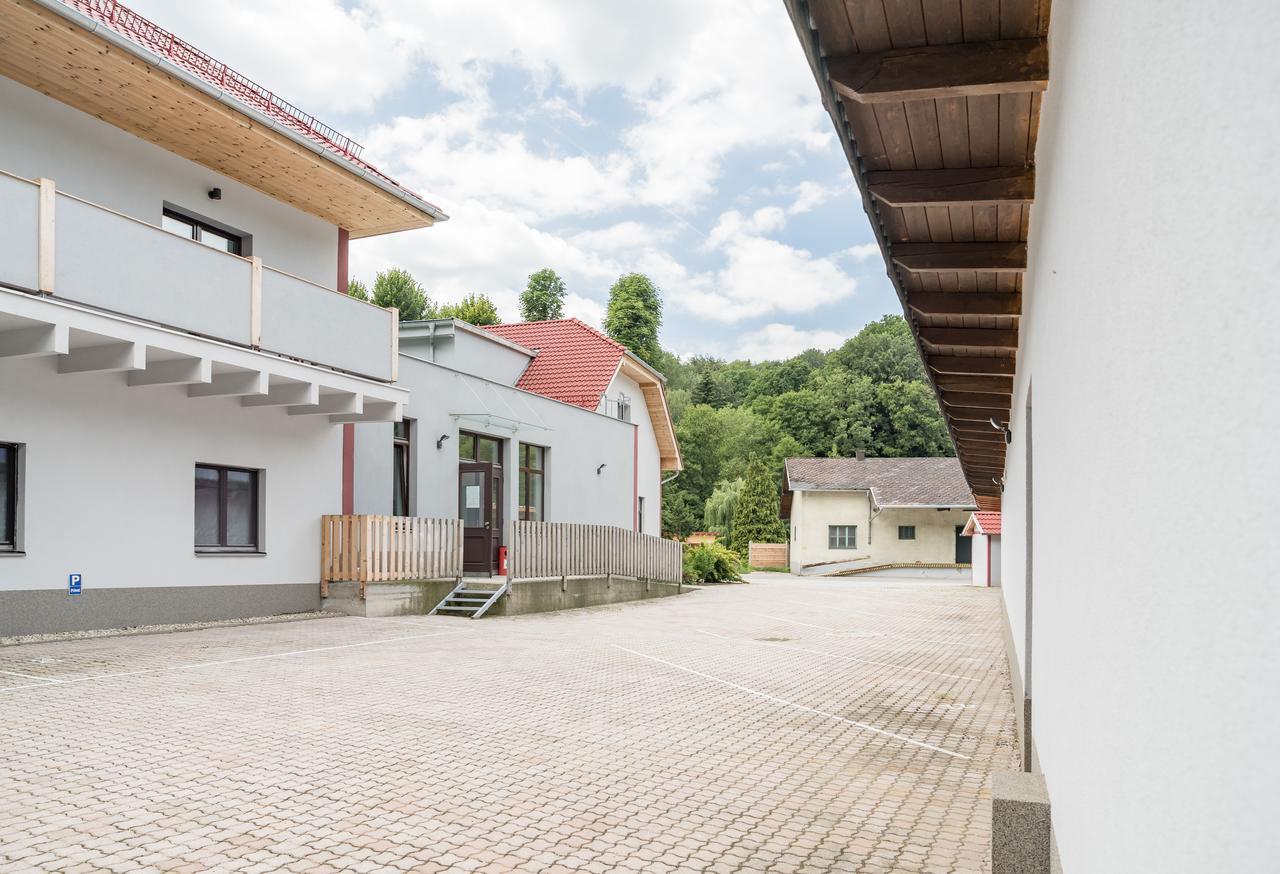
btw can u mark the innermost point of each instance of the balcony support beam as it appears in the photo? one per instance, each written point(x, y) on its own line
point(113, 357)
point(35, 341)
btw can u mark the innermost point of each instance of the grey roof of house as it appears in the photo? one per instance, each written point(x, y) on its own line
point(931, 482)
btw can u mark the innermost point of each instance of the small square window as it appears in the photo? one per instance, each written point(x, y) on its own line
point(842, 536)
point(906, 532)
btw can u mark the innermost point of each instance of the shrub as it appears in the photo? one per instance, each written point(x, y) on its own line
point(711, 563)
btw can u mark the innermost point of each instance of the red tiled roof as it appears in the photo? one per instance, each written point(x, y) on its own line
point(575, 362)
point(987, 523)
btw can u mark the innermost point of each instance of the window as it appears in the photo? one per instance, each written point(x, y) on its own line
point(624, 408)
point(906, 532)
point(532, 471)
point(402, 452)
point(226, 509)
point(842, 536)
point(477, 447)
point(8, 497)
point(222, 238)
point(640, 514)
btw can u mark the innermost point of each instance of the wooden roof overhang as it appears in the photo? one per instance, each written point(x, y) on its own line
point(655, 401)
point(70, 57)
point(937, 106)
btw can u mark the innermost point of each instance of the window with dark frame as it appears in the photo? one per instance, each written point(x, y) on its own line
point(222, 239)
point(402, 453)
point(842, 536)
point(640, 514)
point(227, 509)
point(906, 532)
point(477, 447)
point(9, 497)
point(532, 475)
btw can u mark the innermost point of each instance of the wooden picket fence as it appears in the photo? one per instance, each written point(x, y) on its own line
point(568, 549)
point(370, 549)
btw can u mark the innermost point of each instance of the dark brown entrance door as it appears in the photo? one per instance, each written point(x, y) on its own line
point(479, 507)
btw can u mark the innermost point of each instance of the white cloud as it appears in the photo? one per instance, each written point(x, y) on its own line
point(587, 309)
point(861, 252)
point(777, 341)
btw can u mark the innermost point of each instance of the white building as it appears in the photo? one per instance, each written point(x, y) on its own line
point(542, 421)
point(176, 352)
point(984, 528)
point(1077, 206)
point(860, 514)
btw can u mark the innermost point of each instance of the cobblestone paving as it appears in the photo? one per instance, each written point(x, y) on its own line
point(786, 725)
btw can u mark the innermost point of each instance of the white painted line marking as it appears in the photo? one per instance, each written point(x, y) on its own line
point(909, 637)
point(832, 655)
point(273, 655)
point(765, 695)
point(32, 677)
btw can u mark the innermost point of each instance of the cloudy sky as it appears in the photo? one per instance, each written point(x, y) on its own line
point(685, 140)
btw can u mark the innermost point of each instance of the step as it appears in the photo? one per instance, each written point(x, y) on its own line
point(476, 594)
point(454, 599)
point(447, 609)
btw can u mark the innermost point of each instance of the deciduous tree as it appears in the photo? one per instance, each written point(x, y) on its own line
point(543, 297)
point(634, 315)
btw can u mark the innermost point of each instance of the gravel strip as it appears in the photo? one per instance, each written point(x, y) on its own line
point(162, 629)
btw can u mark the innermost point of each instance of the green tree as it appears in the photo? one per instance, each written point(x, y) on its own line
point(718, 514)
point(397, 288)
point(634, 315)
point(680, 513)
point(357, 289)
point(883, 351)
point(477, 309)
point(708, 390)
point(908, 422)
point(543, 297)
point(756, 517)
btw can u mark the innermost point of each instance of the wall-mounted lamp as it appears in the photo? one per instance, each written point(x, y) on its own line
point(1000, 482)
point(600, 468)
point(215, 194)
point(1008, 435)
point(440, 442)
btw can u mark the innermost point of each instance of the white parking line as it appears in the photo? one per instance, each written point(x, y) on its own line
point(830, 655)
point(31, 677)
point(765, 695)
point(273, 655)
point(909, 637)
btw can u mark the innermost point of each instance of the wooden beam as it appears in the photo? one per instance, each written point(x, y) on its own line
point(977, 414)
point(964, 365)
point(1000, 385)
point(957, 257)
point(976, 399)
point(970, 186)
point(991, 338)
point(1007, 66)
point(992, 436)
point(964, 303)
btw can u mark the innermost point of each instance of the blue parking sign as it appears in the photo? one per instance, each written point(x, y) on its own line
point(73, 584)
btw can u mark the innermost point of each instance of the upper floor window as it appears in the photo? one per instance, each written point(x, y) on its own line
point(532, 474)
point(624, 408)
point(8, 497)
point(842, 536)
point(202, 230)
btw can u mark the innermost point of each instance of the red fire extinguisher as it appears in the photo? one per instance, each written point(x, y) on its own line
point(502, 561)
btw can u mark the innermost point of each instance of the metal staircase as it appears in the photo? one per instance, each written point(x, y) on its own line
point(472, 597)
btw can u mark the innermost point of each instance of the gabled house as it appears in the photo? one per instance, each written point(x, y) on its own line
point(850, 514)
point(984, 528)
point(177, 353)
point(537, 421)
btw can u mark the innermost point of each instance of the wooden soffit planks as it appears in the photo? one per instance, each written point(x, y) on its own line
point(58, 58)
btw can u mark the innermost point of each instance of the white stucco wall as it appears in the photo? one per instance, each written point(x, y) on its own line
point(99, 162)
point(649, 461)
point(1149, 347)
point(577, 442)
point(986, 560)
point(812, 512)
point(470, 350)
point(109, 481)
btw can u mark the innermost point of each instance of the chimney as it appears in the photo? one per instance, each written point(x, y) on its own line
point(860, 454)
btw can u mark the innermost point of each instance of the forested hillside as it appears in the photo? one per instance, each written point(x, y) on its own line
point(870, 394)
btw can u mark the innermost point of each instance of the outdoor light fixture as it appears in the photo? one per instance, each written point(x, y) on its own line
point(440, 442)
point(1008, 435)
point(600, 468)
point(215, 194)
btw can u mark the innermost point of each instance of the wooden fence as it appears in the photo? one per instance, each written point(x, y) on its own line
point(567, 549)
point(367, 549)
point(767, 554)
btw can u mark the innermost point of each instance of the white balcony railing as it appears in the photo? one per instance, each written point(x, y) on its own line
point(59, 244)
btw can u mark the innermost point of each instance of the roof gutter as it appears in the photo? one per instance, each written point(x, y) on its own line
point(124, 43)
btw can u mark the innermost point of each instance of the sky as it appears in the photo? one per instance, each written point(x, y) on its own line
point(683, 140)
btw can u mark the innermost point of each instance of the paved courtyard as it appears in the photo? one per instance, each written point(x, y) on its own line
point(786, 725)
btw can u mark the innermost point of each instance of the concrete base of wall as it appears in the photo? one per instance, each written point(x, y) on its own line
point(544, 596)
point(402, 598)
point(49, 611)
point(1021, 834)
point(960, 573)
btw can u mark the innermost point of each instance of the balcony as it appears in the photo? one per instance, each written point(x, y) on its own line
point(57, 244)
